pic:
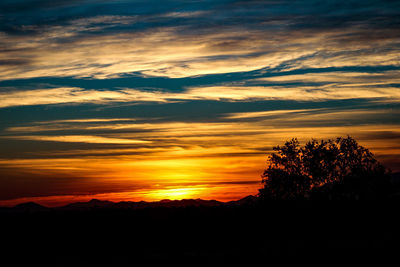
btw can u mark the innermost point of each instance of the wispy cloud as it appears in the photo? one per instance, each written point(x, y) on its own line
point(81, 139)
point(313, 87)
point(299, 93)
point(173, 44)
point(353, 78)
point(269, 113)
point(77, 95)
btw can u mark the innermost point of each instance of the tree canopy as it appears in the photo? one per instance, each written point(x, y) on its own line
point(332, 169)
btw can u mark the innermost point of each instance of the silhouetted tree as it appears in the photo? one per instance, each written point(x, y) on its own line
point(333, 169)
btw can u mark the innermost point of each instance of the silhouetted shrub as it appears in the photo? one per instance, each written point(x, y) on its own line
point(333, 169)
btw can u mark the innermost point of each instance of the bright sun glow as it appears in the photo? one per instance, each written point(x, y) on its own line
point(175, 193)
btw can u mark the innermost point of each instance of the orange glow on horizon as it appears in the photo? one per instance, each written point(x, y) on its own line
point(220, 164)
point(221, 193)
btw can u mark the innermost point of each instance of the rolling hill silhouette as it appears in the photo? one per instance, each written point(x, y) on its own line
point(105, 204)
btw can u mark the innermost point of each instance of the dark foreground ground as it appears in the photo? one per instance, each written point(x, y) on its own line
point(200, 233)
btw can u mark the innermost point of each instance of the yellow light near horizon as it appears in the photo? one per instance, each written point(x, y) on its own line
point(175, 193)
point(221, 164)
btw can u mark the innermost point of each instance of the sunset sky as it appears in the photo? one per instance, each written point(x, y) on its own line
point(150, 100)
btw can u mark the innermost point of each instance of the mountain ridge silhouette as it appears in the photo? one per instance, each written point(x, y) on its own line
point(107, 204)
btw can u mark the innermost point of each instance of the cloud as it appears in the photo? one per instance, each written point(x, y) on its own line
point(339, 77)
point(53, 96)
point(305, 87)
point(269, 113)
point(170, 54)
point(199, 40)
point(76, 95)
point(81, 139)
point(244, 130)
point(298, 93)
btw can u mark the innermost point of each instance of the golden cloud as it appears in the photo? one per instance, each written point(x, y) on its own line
point(173, 52)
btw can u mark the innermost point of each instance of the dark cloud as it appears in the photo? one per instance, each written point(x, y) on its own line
point(20, 184)
point(14, 62)
point(295, 14)
point(24, 5)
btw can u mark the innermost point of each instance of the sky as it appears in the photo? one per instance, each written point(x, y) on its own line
point(150, 100)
